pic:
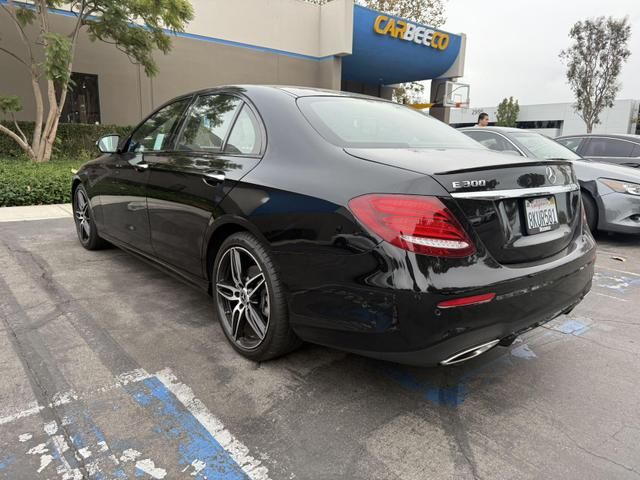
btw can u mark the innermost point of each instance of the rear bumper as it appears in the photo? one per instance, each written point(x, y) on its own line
point(386, 304)
point(620, 213)
point(498, 328)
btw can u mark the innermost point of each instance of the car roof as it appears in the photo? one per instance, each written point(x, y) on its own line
point(495, 129)
point(621, 136)
point(294, 91)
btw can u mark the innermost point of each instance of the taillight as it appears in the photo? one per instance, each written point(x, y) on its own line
point(415, 223)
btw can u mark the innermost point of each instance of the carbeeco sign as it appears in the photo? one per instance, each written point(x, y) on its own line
point(411, 32)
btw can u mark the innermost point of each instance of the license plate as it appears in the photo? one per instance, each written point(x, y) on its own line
point(541, 214)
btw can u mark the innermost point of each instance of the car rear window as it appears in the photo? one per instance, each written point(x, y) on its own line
point(544, 147)
point(364, 123)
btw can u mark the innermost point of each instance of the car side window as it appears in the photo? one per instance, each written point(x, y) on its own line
point(158, 131)
point(245, 135)
point(608, 147)
point(484, 138)
point(571, 143)
point(208, 122)
point(493, 141)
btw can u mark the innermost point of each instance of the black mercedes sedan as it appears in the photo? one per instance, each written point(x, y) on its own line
point(342, 220)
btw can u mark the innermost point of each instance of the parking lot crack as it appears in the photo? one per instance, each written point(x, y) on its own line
point(599, 456)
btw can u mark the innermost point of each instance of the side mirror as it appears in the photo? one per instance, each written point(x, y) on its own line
point(108, 143)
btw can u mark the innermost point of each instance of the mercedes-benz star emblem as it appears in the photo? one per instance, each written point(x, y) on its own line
point(551, 175)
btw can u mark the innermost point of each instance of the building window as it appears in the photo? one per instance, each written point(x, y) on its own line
point(532, 124)
point(82, 104)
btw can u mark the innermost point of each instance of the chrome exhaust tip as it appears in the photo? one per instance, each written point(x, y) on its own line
point(469, 353)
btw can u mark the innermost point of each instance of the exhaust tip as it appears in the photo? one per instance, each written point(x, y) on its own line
point(469, 353)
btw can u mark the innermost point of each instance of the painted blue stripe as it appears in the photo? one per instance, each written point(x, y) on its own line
point(450, 397)
point(204, 38)
point(85, 433)
point(6, 461)
point(456, 394)
point(573, 327)
point(175, 422)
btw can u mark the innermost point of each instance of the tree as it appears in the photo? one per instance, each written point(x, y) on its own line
point(428, 12)
point(507, 113)
point(104, 20)
point(594, 61)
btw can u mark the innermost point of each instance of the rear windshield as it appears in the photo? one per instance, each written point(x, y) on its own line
point(363, 123)
point(544, 147)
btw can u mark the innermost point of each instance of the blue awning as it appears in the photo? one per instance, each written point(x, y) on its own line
point(388, 50)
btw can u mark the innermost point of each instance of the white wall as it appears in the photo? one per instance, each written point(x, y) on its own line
point(613, 120)
point(290, 25)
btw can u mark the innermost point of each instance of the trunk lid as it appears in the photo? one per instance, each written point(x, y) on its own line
point(494, 193)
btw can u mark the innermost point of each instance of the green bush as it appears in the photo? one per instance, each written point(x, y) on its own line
point(74, 140)
point(25, 183)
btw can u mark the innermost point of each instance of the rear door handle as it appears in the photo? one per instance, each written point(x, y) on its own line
point(213, 178)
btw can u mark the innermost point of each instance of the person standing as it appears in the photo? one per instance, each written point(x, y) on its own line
point(483, 120)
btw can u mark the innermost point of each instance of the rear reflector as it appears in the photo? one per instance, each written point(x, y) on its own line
point(416, 223)
point(465, 301)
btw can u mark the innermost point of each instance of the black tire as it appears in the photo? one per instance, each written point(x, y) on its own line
point(279, 338)
point(83, 219)
point(591, 211)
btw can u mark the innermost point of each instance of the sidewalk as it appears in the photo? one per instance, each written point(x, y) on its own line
point(35, 212)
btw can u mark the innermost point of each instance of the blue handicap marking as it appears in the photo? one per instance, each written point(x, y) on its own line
point(5, 462)
point(196, 444)
point(615, 282)
point(523, 351)
point(453, 395)
point(572, 327)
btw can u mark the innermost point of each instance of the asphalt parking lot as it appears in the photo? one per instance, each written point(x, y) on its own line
point(111, 369)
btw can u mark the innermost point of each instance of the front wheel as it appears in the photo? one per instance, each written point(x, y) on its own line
point(250, 299)
point(83, 218)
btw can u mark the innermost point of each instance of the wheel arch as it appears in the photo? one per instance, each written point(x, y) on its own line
point(594, 198)
point(74, 184)
point(219, 231)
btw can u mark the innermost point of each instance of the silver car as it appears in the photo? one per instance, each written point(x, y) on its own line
point(610, 193)
point(618, 148)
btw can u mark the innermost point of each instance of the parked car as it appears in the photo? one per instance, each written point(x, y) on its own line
point(610, 148)
point(610, 193)
point(342, 220)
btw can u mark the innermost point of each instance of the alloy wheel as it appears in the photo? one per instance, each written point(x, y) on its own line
point(82, 215)
point(243, 297)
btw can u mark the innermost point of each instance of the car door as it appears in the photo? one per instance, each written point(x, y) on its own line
point(220, 142)
point(123, 200)
point(611, 150)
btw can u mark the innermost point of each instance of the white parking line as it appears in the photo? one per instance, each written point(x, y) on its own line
point(610, 296)
point(195, 415)
point(64, 398)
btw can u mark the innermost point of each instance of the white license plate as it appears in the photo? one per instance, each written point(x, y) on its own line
point(541, 214)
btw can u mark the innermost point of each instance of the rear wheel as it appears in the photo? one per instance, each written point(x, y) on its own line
point(83, 218)
point(591, 211)
point(250, 300)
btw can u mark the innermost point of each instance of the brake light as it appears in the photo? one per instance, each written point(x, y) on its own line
point(416, 223)
point(465, 301)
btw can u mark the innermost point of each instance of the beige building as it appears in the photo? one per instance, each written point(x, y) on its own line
point(291, 42)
